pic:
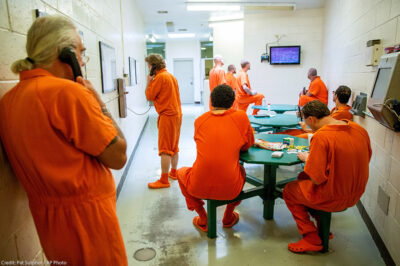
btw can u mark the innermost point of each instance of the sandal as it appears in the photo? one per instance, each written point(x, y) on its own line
point(235, 220)
point(304, 246)
point(196, 223)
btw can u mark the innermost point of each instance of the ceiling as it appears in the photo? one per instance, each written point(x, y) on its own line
point(195, 21)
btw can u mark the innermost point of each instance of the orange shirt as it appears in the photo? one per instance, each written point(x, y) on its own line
point(219, 139)
point(242, 79)
point(216, 77)
point(341, 113)
point(232, 81)
point(163, 90)
point(318, 89)
point(52, 129)
point(338, 166)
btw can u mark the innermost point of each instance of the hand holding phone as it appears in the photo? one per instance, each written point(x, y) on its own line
point(153, 68)
point(68, 56)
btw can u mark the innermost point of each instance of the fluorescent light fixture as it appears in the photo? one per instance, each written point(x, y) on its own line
point(226, 17)
point(181, 35)
point(211, 7)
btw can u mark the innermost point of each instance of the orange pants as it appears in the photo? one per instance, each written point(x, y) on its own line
point(295, 132)
point(192, 202)
point(297, 205)
point(80, 231)
point(244, 102)
point(169, 128)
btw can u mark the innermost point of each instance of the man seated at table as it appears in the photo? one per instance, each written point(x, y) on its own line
point(232, 82)
point(245, 95)
point(316, 91)
point(340, 112)
point(220, 135)
point(335, 174)
point(341, 97)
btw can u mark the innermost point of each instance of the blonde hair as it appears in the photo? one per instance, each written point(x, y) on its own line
point(157, 60)
point(46, 38)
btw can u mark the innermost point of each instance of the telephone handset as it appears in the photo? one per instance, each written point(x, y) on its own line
point(301, 117)
point(68, 56)
point(153, 68)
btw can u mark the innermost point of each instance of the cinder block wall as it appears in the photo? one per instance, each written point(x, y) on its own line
point(117, 23)
point(349, 25)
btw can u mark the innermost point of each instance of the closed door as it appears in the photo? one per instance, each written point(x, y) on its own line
point(183, 72)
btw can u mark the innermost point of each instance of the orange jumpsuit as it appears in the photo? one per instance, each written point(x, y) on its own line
point(232, 81)
point(318, 90)
point(335, 174)
point(341, 113)
point(52, 130)
point(164, 91)
point(244, 99)
point(216, 77)
point(216, 173)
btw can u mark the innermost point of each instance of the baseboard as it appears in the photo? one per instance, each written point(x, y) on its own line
point(387, 258)
point(128, 165)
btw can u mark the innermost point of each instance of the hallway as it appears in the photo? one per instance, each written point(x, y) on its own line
point(159, 219)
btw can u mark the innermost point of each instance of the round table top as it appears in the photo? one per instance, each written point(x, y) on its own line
point(258, 155)
point(279, 108)
point(279, 120)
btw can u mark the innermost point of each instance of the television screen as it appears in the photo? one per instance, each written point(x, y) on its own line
point(284, 55)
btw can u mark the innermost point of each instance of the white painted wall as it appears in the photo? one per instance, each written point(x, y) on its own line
point(185, 49)
point(349, 25)
point(228, 42)
point(282, 83)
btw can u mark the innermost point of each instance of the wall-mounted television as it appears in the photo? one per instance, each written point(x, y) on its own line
point(284, 55)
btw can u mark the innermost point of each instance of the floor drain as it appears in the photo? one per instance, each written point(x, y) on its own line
point(144, 254)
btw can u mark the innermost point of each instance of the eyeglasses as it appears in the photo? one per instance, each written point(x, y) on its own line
point(85, 58)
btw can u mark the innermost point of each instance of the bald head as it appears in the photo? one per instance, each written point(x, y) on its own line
point(218, 60)
point(232, 69)
point(245, 64)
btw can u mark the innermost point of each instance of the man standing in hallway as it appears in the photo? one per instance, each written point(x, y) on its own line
point(316, 91)
point(162, 89)
point(61, 141)
point(335, 174)
point(246, 95)
point(232, 82)
point(217, 75)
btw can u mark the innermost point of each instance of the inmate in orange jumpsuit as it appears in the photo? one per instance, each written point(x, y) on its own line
point(216, 77)
point(341, 113)
point(335, 174)
point(318, 90)
point(243, 99)
point(164, 91)
point(233, 83)
point(52, 130)
point(338, 113)
point(216, 173)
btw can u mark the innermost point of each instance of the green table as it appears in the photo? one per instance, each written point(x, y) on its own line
point(276, 122)
point(277, 108)
point(257, 155)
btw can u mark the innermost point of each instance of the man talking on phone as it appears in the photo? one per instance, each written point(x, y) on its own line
point(61, 141)
point(162, 89)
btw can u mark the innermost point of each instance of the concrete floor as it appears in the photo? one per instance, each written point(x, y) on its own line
point(160, 219)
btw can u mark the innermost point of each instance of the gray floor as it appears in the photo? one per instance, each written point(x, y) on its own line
point(159, 219)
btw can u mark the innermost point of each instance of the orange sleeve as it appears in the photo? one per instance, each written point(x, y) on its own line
point(316, 164)
point(153, 89)
point(249, 137)
point(221, 78)
point(243, 122)
point(241, 80)
point(75, 113)
point(315, 88)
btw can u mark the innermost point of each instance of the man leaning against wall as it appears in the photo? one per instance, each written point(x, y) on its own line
point(61, 141)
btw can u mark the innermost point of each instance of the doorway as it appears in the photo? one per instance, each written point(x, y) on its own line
point(184, 73)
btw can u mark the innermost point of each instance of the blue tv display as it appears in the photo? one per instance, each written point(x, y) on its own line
point(284, 55)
